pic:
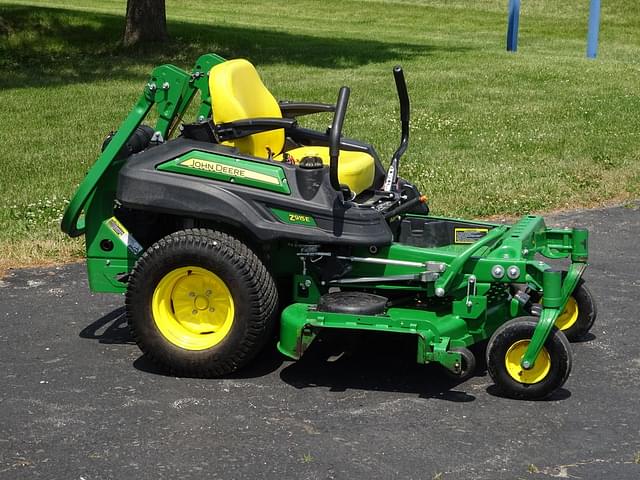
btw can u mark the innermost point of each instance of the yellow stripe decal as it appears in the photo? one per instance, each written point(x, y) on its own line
point(209, 166)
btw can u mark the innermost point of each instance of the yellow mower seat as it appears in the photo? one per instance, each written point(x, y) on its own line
point(237, 93)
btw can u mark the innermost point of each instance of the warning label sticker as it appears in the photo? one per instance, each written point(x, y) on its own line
point(125, 237)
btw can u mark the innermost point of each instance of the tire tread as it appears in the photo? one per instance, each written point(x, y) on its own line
point(250, 270)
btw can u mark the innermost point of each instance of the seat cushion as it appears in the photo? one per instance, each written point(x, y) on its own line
point(355, 169)
point(237, 92)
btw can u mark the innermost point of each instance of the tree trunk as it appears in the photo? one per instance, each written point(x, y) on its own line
point(145, 22)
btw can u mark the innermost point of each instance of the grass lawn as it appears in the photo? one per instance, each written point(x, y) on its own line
point(492, 132)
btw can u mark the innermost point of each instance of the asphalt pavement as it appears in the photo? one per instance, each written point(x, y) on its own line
point(78, 401)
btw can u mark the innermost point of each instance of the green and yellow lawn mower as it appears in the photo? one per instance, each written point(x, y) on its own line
point(218, 228)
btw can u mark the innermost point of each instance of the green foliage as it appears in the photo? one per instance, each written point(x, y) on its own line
point(492, 132)
point(47, 210)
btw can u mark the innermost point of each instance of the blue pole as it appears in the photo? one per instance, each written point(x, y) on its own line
point(512, 29)
point(594, 27)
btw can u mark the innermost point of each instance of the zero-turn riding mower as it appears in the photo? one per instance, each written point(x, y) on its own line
point(214, 228)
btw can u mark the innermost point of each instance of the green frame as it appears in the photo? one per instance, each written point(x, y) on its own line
point(171, 90)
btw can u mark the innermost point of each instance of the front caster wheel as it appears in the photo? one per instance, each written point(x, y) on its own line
point(200, 303)
point(507, 347)
point(579, 313)
point(467, 366)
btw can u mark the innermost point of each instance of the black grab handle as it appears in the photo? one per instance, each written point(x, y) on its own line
point(390, 181)
point(403, 95)
point(334, 136)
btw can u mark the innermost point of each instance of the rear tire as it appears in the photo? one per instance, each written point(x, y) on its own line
point(505, 350)
point(200, 303)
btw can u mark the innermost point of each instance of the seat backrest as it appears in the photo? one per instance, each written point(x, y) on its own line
point(237, 92)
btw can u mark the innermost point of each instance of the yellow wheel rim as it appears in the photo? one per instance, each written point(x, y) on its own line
point(193, 308)
point(569, 315)
point(512, 362)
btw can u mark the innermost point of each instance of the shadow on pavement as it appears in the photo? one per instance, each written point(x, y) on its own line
point(586, 338)
point(377, 362)
point(558, 395)
point(338, 361)
point(110, 329)
point(268, 361)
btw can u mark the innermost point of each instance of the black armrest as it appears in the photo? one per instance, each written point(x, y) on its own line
point(314, 138)
point(249, 126)
point(297, 109)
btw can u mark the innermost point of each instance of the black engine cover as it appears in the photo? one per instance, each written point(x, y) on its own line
point(142, 187)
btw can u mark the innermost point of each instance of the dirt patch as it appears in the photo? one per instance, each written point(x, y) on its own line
point(40, 253)
point(7, 265)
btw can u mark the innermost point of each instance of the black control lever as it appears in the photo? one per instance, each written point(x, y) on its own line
point(392, 174)
point(405, 207)
point(334, 136)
